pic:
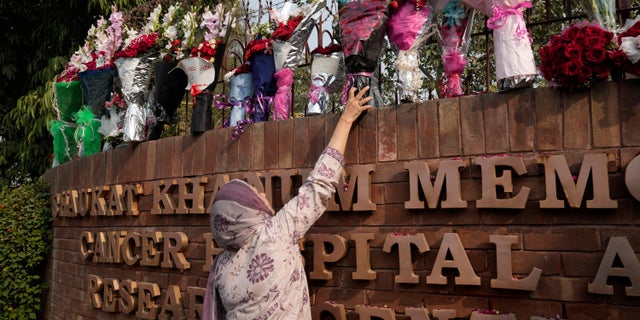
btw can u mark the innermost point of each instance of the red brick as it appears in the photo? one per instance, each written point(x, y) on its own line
point(244, 150)
point(367, 132)
point(187, 154)
point(301, 143)
point(449, 127)
point(387, 134)
point(564, 289)
point(580, 264)
point(472, 125)
point(258, 146)
point(407, 133)
point(548, 119)
point(210, 143)
point(199, 150)
point(521, 120)
point(495, 119)
point(576, 121)
point(594, 311)
point(629, 111)
point(285, 144)
point(232, 149)
point(562, 239)
point(605, 115)
point(428, 141)
point(351, 151)
point(222, 154)
point(271, 145)
point(330, 122)
point(316, 138)
point(390, 215)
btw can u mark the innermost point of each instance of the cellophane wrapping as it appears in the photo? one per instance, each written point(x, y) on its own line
point(264, 84)
point(135, 76)
point(364, 26)
point(240, 91)
point(454, 32)
point(408, 29)
point(324, 73)
point(97, 86)
point(515, 64)
point(87, 135)
point(68, 99)
point(64, 143)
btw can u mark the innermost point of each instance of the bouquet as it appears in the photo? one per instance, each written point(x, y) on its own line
point(454, 30)
point(240, 93)
point(629, 42)
point(68, 100)
point(288, 42)
point(202, 65)
point(364, 25)
point(111, 122)
point(326, 63)
point(93, 61)
point(260, 56)
point(87, 135)
point(169, 82)
point(515, 65)
point(408, 26)
point(580, 56)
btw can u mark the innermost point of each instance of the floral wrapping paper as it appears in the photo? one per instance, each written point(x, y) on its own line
point(515, 64)
point(324, 73)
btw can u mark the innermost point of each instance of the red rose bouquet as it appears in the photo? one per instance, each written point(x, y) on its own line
point(580, 56)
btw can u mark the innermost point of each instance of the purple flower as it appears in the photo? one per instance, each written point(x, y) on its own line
point(260, 268)
point(220, 223)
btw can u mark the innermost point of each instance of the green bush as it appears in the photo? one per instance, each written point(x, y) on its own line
point(25, 239)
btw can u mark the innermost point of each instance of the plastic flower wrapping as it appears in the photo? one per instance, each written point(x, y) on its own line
point(204, 63)
point(408, 29)
point(364, 25)
point(515, 65)
point(454, 26)
point(240, 85)
point(260, 56)
point(629, 42)
point(87, 135)
point(580, 56)
point(602, 11)
point(288, 42)
point(325, 67)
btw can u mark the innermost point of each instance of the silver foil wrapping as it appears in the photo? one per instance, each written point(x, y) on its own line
point(135, 76)
point(409, 75)
point(290, 54)
point(240, 89)
point(324, 73)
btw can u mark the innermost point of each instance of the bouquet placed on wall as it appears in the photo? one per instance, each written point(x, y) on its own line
point(288, 41)
point(260, 56)
point(111, 122)
point(240, 85)
point(168, 81)
point(580, 56)
point(629, 42)
point(454, 32)
point(602, 11)
point(93, 61)
point(364, 26)
point(515, 65)
point(408, 29)
point(135, 66)
point(204, 63)
point(325, 67)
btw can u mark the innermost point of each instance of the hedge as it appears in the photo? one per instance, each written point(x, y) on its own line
point(25, 240)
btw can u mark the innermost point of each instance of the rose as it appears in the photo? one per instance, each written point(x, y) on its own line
point(584, 73)
point(617, 57)
point(571, 68)
point(596, 55)
point(573, 51)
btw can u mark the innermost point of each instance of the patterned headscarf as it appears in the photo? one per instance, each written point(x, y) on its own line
point(236, 212)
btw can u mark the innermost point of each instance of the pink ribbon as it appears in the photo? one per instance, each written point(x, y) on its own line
point(282, 99)
point(349, 83)
point(262, 101)
point(500, 15)
point(315, 91)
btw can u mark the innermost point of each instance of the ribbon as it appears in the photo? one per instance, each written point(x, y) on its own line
point(315, 91)
point(500, 14)
point(261, 99)
point(349, 83)
point(282, 99)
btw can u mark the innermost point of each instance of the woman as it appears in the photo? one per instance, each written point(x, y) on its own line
point(260, 274)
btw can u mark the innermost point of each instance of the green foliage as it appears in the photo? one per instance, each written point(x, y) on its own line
point(25, 240)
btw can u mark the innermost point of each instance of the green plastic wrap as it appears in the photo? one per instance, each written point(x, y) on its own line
point(87, 136)
point(68, 99)
point(64, 143)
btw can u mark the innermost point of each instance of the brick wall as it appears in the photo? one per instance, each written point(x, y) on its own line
point(566, 244)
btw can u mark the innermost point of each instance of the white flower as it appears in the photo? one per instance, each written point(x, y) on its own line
point(152, 20)
point(631, 47)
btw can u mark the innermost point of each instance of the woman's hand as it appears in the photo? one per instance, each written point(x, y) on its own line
point(356, 105)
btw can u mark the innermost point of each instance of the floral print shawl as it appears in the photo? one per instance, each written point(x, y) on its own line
point(260, 274)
